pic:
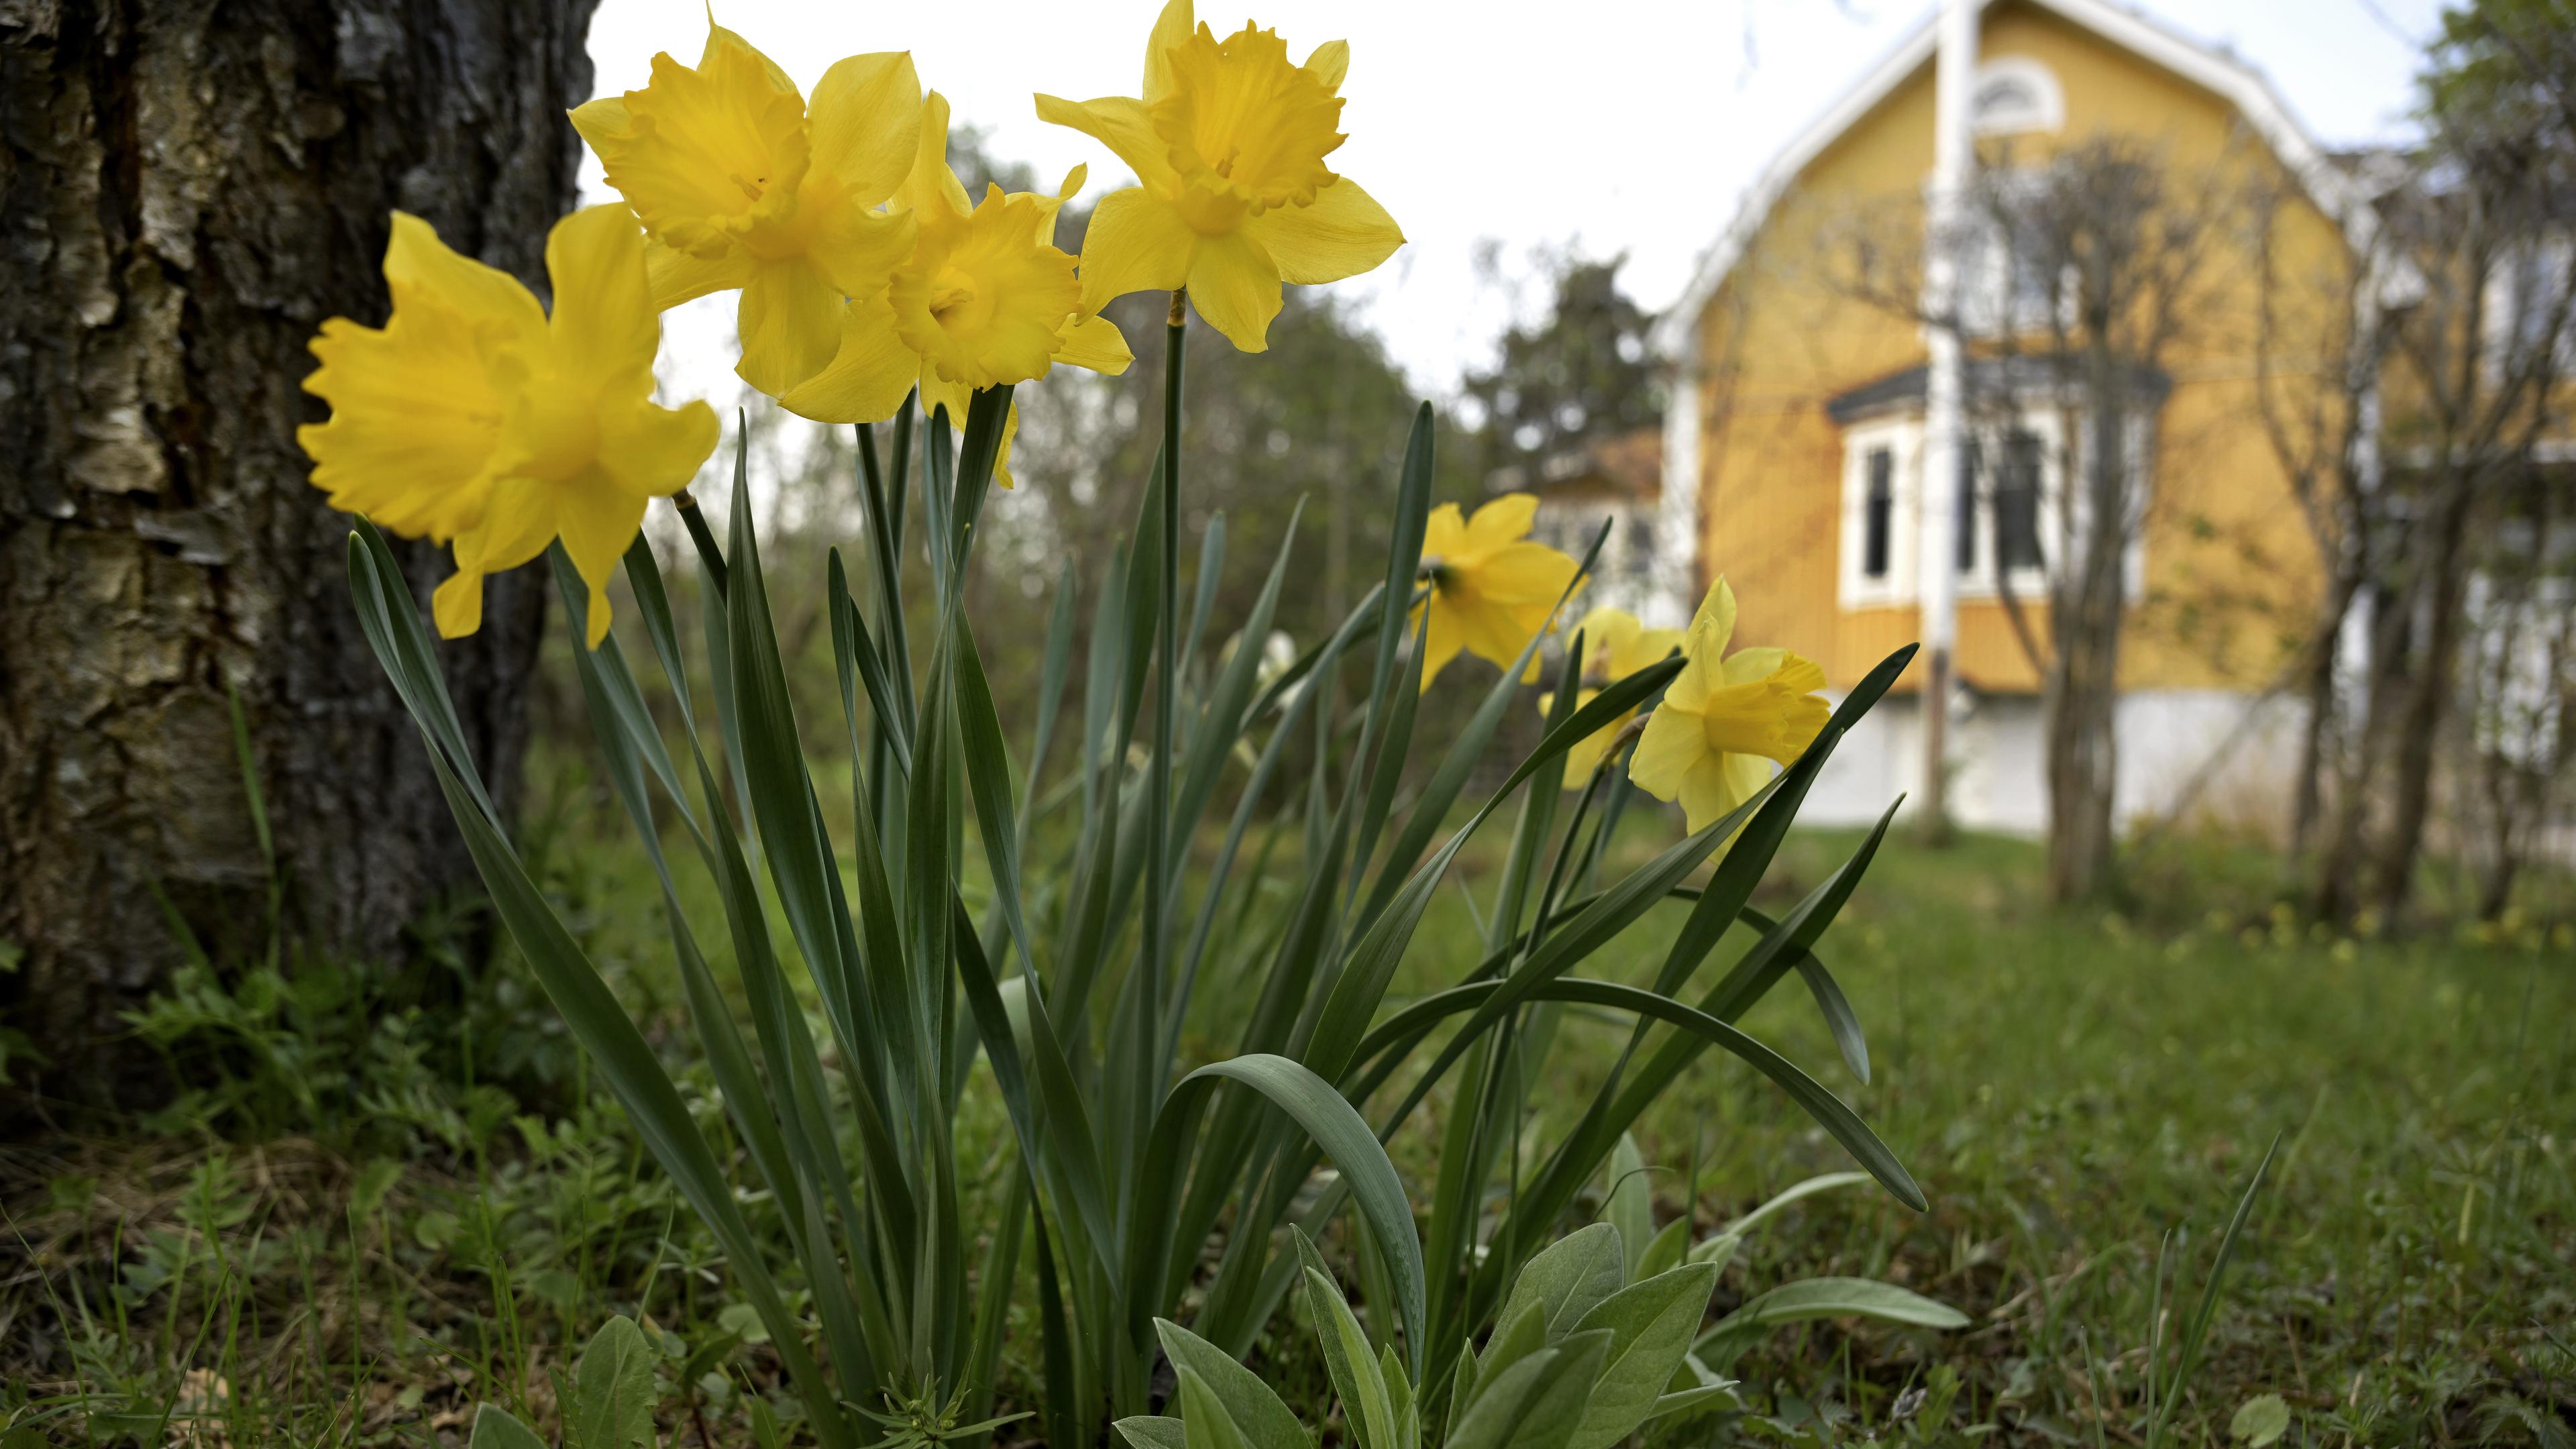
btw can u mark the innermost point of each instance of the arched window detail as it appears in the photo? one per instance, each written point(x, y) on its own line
point(2016, 94)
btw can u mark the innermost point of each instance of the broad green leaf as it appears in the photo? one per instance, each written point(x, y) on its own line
point(1650, 1326)
point(2260, 1420)
point(1204, 1421)
point(1366, 1405)
point(496, 1428)
point(1264, 1421)
point(1399, 1394)
point(1544, 1392)
point(1813, 1298)
point(1631, 1205)
point(1554, 1413)
point(612, 1405)
point(1521, 1334)
point(1152, 1431)
point(1568, 1279)
point(1668, 1249)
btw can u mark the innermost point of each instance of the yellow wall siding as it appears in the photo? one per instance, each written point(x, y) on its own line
point(2230, 569)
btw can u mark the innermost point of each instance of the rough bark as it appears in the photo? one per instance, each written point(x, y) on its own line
point(190, 189)
point(2084, 688)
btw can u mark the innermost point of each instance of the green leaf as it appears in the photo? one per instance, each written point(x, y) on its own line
point(612, 1405)
point(1152, 1431)
point(1568, 1279)
point(1670, 1248)
point(1204, 1421)
point(1399, 1393)
point(1522, 1333)
point(1366, 1406)
point(1257, 1411)
point(1544, 1392)
point(1650, 1326)
point(1692, 1384)
point(494, 1428)
point(2260, 1421)
point(1631, 1205)
point(1335, 1126)
point(1813, 1298)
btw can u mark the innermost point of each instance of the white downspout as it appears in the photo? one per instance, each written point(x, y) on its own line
point(1953, 164)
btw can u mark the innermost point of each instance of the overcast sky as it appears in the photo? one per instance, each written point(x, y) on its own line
point(1626, 125)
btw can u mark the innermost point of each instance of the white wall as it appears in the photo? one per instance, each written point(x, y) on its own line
point(2219, 756)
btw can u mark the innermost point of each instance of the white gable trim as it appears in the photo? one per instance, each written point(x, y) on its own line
point(2218, 72)
point(1677, 335)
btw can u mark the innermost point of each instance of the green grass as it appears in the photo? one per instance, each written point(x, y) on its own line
point(2069, 1088)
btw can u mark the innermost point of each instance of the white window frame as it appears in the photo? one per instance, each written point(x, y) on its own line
point(1903, 440)
point(2048, 426)
point(2046, 111)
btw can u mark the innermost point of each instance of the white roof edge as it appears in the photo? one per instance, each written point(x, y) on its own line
point(2241, 85)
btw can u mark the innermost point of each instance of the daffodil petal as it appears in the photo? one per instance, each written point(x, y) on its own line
point(931, 179)
point(1716, 615)
point(414, 421)
point(1708, 792)
point(1235, 286)
point(1444, 533)
point(865, 120)
point(1136, 244)
point(604, 321)
point(1330, 63)
point(458, 604)
point(1171, 28)
point(790, 325)
point(1525, 574)
point(654, 451)
point(1501, 521)
point(682, 149)
point(1095, 343)
point(1441, 643)
point(416, 257)
point(856, 251)
point(599, 517)
point(677, 276)
point(1120, 123)
point(1671, 741)
point(869, 375)
point(1343, 233)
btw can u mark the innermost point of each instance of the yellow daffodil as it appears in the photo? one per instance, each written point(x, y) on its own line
point(1727, 720)
point(985, 299)
point(472, 417)
point(1233, 196)
point(1491, 588)
point(1615, 645)
point(742, 184)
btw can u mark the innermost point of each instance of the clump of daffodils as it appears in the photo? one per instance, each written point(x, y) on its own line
point(868, 275)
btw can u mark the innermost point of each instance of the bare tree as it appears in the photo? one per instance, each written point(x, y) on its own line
point(2079, 277)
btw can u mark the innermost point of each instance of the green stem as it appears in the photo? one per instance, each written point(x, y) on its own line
point(1158, 880)
point(708, 554)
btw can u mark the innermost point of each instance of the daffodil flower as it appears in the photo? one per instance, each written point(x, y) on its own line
point(1727, 721)
point(1233, 196)
point(1615, 645)
point(986, 298)
point(743, 184)
point(472, 417)
point(1491, 588)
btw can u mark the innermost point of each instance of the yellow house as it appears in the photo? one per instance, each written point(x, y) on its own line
point(1794, 457)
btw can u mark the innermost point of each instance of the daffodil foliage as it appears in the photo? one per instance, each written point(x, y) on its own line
point(1183, 1035)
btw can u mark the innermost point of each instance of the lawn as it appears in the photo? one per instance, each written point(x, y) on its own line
point(2076, 1093)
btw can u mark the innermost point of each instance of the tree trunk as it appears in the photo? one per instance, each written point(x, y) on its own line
point(2083, 715)
point(190, 189)
point(2427, 700)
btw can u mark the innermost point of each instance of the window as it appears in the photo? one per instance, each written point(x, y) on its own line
point(1970, 466)
point(2017, 490)
point(1641, 545)
point(1878, 528)
point(2006, 281)
point(2016, 94)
